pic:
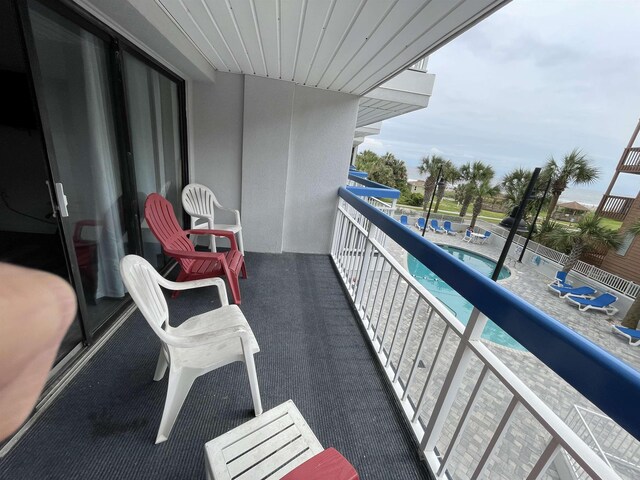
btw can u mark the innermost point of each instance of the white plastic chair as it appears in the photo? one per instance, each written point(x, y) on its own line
point(200, 202)
point(199, 345)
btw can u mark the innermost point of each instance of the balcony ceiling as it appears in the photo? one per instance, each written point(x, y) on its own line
point(343, 45)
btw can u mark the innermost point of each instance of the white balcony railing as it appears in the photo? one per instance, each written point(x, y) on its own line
point(445, 378)
point(614, 445)
point(614, 282)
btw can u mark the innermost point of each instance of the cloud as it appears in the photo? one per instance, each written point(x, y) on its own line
point(533, 80)
point(374, 144)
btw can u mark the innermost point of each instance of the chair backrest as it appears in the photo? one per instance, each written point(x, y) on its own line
point(487, 234)
point(447, 225)
point(403, 219)
point(467, 233)
point(604, 300)
point(561, 277)
point(199, 201)
point(158, 212)
point(141, 279)
point(421, 222)
point(434, 223)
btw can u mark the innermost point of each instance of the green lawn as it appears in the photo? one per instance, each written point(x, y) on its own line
point(451, 207)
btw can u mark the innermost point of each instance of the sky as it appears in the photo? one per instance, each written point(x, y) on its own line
point(535, 79)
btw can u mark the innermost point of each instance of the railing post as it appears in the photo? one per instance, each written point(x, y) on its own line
point(364, 268)
point(453, 380)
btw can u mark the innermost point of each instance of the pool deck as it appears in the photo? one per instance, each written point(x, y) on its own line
point(526, 282)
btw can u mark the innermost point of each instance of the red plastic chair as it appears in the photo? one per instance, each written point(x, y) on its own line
point(193, 265)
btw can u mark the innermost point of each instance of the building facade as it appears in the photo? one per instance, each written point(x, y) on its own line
point(625, 260)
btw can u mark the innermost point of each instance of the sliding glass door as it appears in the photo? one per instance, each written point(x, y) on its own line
point(154, 121)
point(76, 93)
point(114, 132)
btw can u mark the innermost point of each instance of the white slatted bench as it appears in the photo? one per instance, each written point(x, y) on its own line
point(270, 445)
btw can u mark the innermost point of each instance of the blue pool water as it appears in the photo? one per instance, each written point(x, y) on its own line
point(455, 302)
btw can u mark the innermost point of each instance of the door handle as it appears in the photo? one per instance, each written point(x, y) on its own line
point(62, 200)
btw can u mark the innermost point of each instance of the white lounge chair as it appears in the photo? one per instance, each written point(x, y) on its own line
point(632, 335)
point(603, 303)
point(197, 346)
point(584, 291)
point(448, 228)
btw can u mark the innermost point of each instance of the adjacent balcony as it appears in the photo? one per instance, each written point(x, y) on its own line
point(378, 366)
point(408, 91)
point(615, 207)
point(630, 162)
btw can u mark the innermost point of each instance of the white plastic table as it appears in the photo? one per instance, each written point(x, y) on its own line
point(263, 445)
point(476, 236)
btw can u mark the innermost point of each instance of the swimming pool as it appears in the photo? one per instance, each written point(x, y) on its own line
point(454, 301)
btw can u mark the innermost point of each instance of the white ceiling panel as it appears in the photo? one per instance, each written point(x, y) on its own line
point(343, 45)
point(267, 28)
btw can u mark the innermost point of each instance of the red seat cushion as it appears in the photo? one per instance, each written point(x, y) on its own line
point(327, 465)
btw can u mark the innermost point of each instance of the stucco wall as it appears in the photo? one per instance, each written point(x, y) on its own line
point(215, 124)
point(321, 140)
point(265, 157)
point(276, 151)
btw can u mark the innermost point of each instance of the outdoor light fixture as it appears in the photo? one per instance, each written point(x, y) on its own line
point(439, 183)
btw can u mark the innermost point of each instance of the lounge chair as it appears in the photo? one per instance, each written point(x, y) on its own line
point(420, 223)
point(448, 228)
point(404, 220)
point(435, 227)
point(467, 236)
point(561, 279)
point(629, 333)
point(603, 303)
point(584, 291)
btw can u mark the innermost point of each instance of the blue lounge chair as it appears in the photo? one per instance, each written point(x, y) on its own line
point(632, 335)
point(448, 228)
point(603, 303)
point(404, 220)
point(435, 227)
point(584, 291)
point(420, 223)
point(561, 279)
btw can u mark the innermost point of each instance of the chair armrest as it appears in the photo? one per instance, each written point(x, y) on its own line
point(217, 233)
point(206, 282)
point(234, 211)
point(208, 338)
point(195, 255)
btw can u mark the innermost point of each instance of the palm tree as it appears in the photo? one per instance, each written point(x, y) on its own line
point(632, 318)
point(471, 174)
point(575, 169)
point(430, 166)
point(514, 184)
point(449, 175)
point(589, 235)
point(481, 191)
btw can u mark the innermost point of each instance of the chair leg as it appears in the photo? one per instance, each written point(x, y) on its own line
point(244, 270)
point(161, 367)
point(180, 382)
point(240, 244)
point(253, 383)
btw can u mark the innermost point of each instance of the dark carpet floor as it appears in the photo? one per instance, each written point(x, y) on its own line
point(105, 422)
